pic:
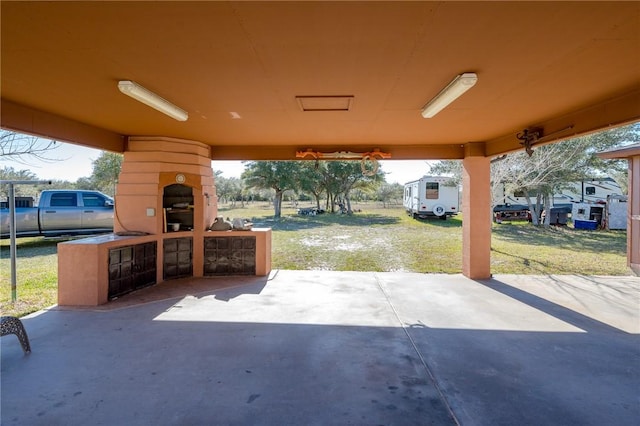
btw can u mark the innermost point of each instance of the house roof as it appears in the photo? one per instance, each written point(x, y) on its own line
point(240, 68)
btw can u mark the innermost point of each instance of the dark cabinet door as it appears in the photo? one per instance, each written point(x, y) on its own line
point(120, 271)
point(144, 269)
point(131, 267)
point(229, 256)
point(177, 258)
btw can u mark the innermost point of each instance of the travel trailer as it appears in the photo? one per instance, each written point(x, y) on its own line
point(596, 193)
point(584, 191)
point(431, 196)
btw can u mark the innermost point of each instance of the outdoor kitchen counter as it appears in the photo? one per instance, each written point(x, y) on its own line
point(83, 264)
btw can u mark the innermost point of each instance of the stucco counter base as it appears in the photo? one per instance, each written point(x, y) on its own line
point(83, 265)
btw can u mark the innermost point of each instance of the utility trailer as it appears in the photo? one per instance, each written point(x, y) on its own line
point(431, 196)
point(611, 214)
point(615, 212)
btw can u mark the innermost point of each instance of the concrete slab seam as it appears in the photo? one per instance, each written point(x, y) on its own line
point(417, 351)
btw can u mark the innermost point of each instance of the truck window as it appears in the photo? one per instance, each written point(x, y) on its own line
point(92, 200)
point(432, 191)
point(64, 199)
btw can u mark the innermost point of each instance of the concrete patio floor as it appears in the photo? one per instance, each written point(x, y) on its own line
point(336, 348)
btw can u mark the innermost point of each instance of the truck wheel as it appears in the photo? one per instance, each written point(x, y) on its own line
point(439, 210)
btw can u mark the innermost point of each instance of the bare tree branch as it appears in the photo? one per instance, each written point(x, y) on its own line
point(24, 148)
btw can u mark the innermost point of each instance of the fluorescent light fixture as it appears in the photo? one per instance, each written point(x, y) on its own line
point(149, 98)
point(453, 91)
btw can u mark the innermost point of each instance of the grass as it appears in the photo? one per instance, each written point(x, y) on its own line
point(378, 239)
point(36, 276)
point(375, 239)
point(520, 248)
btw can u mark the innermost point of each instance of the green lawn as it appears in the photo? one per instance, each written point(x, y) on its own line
point(378, 239)
point(374, 239)
point(36, 276)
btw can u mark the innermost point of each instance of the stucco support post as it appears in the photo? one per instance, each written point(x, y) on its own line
point(633, 221)
point(476, 209)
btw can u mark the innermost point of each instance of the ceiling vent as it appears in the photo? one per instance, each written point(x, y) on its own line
point(325, 103)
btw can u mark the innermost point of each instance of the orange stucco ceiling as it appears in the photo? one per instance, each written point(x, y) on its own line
point(569, 67)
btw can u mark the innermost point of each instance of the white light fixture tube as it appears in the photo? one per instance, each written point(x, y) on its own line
point(149, 98)
point(453, 91)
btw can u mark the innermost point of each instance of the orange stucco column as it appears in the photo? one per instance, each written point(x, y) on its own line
point(633, 221)
point(476, 209)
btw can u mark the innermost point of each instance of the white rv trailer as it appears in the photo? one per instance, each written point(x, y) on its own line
point(585, 191)
point(431, 196)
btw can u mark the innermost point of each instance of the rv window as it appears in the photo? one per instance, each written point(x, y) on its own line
point(519, 193)
point(590, 190)
point(581, 211)
point(432, 190)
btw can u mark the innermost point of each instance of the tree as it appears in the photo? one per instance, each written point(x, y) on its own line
point(276, 175)
point(543, 174)
point(9, 173)
point(388, 192)
point(451, 168)
point(610, 139)
point(85, 183)
point(551, 167)
point(23, 148)
point(311, 180)
point(106, 170)
point(229, 189)
point(344, 176)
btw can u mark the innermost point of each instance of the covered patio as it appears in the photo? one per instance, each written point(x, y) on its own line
point(269, 80)
point(319, 348)
point(276, 80)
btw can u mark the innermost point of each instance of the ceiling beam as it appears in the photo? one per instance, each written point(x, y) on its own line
point(23, 119)
point(398, 152)
point(614, 112)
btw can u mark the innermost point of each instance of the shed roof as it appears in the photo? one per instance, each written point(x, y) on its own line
point(621, 153)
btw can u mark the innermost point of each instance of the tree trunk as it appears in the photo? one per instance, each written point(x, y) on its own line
point(333, 203)
point(277, 204)
point(534, 209)
point(348, 201)
point(547, 209)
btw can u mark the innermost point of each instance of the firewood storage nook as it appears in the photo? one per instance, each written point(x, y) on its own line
point(165, 202)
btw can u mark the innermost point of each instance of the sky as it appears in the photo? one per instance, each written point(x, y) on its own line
point(76, 161)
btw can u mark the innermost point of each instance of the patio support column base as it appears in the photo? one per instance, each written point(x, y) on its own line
point(476, 209)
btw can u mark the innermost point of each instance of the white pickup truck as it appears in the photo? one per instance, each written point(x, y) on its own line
point(62, 212)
